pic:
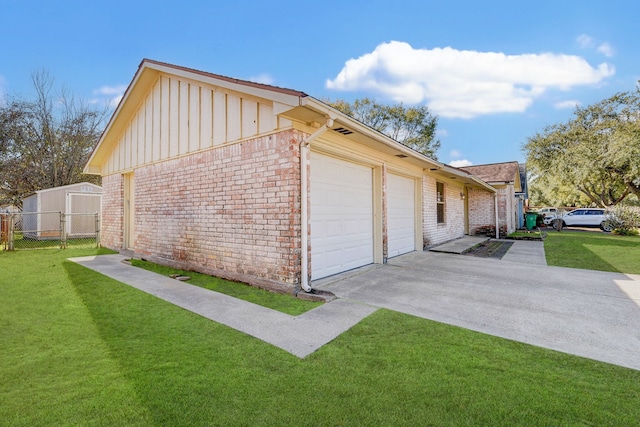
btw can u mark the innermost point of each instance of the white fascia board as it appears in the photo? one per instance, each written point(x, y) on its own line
point(334, 114)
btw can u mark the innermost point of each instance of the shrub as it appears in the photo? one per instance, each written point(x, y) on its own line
point(624, 220)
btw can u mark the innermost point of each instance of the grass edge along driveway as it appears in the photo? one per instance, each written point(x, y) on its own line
point(79, 348)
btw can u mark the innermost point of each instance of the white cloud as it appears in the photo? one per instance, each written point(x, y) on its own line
point(110, 90)
point(262, 78)
point(461, 163)
point(442, 133)
point(455, 154)
point(584, 41)
point(606, 49)
point(111, 95)
point(464, 84)
point(588, 42)
point(563, 105)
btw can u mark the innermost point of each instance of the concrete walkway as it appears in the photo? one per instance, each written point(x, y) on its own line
point(587, 313)
point(299, 335)
point(526, 252)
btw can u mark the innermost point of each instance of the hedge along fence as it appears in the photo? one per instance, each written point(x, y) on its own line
point(46, 230)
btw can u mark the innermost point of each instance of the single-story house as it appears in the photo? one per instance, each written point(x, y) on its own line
point(263, 184)
point(505, 178)
point(41, 210)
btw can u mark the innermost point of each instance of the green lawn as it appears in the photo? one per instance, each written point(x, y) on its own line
point(593, 251)
point(275, 301)
point(78, 348)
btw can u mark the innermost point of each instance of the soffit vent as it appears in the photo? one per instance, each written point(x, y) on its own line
point(402, 156)
point(343, 131)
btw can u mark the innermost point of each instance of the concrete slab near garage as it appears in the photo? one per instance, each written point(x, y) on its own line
point(527, 251)
point(460, 245)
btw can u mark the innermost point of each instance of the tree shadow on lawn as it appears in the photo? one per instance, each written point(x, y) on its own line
point(182, 366)
point(390, 369)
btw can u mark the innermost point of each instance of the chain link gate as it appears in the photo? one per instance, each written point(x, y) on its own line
point(48, 230)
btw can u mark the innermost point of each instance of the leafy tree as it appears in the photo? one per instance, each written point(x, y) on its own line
point(592, 159)
point(46, 141)
point(414, 127)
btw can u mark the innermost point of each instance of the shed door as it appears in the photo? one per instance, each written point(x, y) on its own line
point(341, 215)
point(401, 210)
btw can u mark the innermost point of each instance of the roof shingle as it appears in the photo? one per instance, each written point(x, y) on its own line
point(495, 172)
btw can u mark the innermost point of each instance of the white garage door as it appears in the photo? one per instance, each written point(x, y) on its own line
point(401, 215)
point(341, 215)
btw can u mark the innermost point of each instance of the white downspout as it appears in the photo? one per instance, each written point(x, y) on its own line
point(304, 208)
point(495, 199)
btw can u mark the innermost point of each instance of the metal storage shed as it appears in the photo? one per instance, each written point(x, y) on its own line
point(41, 210)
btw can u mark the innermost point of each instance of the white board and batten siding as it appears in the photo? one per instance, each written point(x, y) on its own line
point(341, 215)
point(179, 116)
point(401, 208)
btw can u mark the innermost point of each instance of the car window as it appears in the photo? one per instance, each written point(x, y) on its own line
point(577, 212)
point(595, 212)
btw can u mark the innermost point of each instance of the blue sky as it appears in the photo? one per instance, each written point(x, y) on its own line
point(494, 72)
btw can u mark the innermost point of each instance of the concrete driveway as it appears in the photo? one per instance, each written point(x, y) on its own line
point(586, 313)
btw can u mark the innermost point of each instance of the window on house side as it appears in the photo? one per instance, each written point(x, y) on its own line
point(440, 202)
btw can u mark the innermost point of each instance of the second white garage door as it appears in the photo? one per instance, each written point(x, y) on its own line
point(401, 215)
point(341, 215)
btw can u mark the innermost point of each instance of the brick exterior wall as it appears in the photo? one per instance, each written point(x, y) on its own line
point(482, 209)
point(511, 211)
point(453, 226)
point(506, 208)
point(112, 222)
point(233, 211)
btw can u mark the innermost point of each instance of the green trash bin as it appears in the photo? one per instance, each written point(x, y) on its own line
point(531, 219)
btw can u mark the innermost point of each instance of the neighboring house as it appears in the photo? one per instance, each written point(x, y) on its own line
point(505, 178)
point(263, 184)
point(41, 210)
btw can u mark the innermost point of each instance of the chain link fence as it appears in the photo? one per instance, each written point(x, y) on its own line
point(48, 230)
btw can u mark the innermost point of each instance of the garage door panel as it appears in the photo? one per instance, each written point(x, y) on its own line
point(401, 214)
point(341, 215)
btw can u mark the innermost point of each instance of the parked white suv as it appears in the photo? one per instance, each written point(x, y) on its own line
point(585, 217)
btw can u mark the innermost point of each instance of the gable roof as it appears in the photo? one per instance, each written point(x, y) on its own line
point(218, 78)
point(293, 104)
point(498, 173)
